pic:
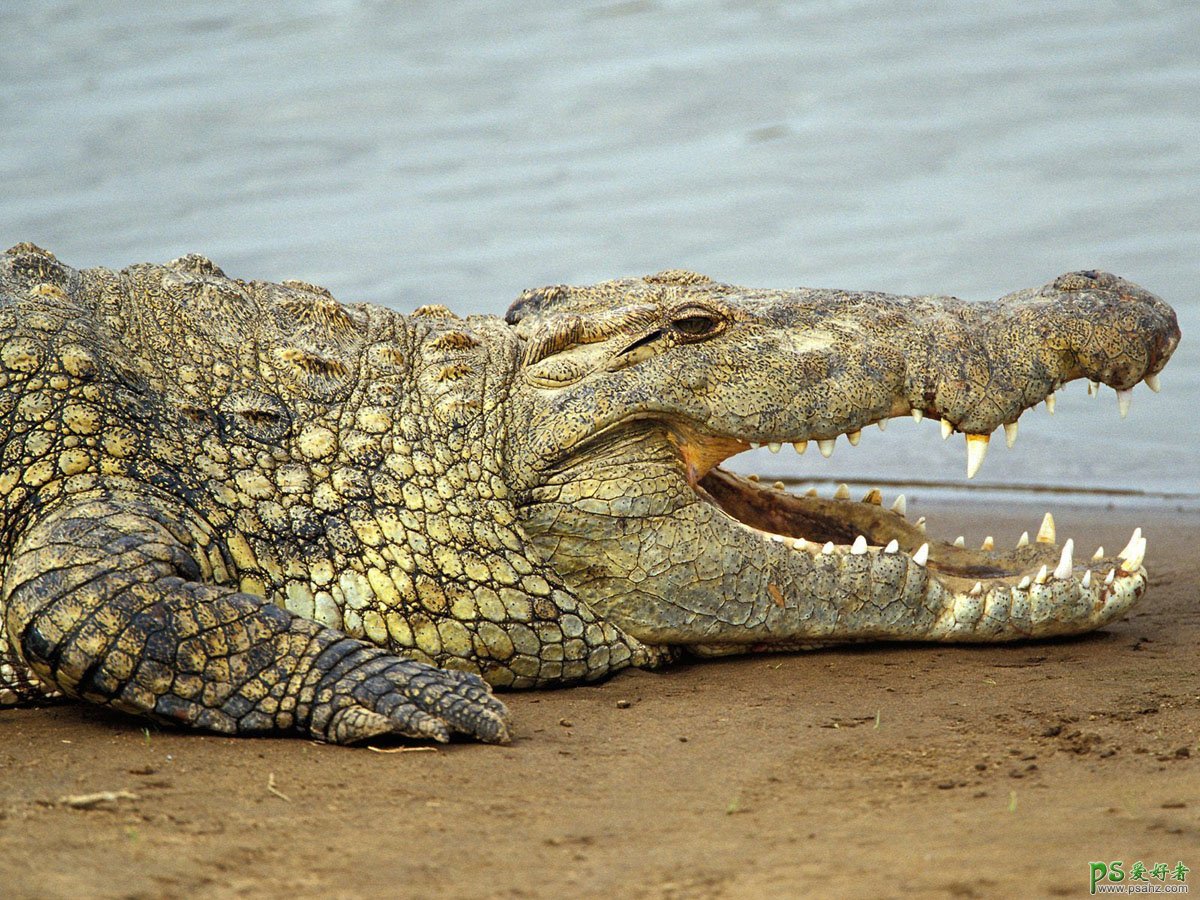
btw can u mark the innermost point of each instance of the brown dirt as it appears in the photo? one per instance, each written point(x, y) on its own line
point(965, 771)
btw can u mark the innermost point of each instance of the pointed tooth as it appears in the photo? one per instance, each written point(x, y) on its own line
point(920, 525)
point(1042, 575)
point(859, 547)
point(1108, 579)
point(873, 496)
point(989, 543)
point(774, 446)
point(1050, 404)
point(826, 447)
point(960, 541)
point(812, 492)
point(778, 538)
point(917, 415)
point(854, 437)
point(1153, 383)
point(754, 445)
point(977, 445)
point(1023, 541)
point(1093, 388)
point(778, 485)
point(947, 429)
point(1046, 533)
point(828, 548)
point(1024, 585)
point(1086, 581)
point(892, 547)
point(921, 557)
point(1132, 545)
point(900, 505)
point(882, 423)
point(977, 590)
point(800, 446)
point(800, 544)
point(1010, 434)
point(1065, 562)
point(842, 492)
point(753, 476)
point(1134, 562)
point(1124, 398)
point(1099, 554)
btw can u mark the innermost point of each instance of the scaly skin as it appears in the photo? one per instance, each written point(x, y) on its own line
point(246, 507)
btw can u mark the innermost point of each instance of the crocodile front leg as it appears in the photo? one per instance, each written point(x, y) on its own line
point(103, 599)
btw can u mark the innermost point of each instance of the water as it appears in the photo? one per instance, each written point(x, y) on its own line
point(417, 152)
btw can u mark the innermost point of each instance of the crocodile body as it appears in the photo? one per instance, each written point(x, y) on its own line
point(247, 507)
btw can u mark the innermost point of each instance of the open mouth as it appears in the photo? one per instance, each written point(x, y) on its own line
point(1024, 586)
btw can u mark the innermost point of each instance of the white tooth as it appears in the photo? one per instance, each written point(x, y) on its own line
point(1065, 563)
point(1024, 540)
point(754, 445)
point(811, 492)
point(828, 548)
point(960, 541)
point(892, 547)
point(777, 538)
point(1132, 545)
point(1093, 388)
point(882, 423)
point(900, 506)
point(1124, 398)
point(874, 497)
point(800, 446)
point(1153, 383)
point(826, 447)
point(1010, 434)
point(1108, 579)
point(1050, 404)
point(1024, 585)
point(977, 445)
point(1086, 581)
point(859, 547)
point(854, 437)
point(988, 543)
point(921, 557)
point(920, 525)
point(1134, 562)
point(977, 590)
point(917, 415)
point(842, 492)
point(947, 429)
point(1046, 533)
point(778, 485)
point(800, 544)
point(1041, 576)
point(774, 446)
point(1099, 554)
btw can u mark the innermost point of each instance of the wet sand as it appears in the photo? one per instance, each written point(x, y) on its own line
point(962, 771)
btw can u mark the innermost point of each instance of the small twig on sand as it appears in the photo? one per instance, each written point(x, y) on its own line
point(274, 790)
point(89, 801)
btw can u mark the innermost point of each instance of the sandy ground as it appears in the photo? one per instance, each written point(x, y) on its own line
point(897, 769)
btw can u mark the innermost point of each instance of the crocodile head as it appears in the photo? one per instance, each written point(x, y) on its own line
point(631, 393)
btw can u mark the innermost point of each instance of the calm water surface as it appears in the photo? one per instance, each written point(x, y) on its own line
point(405, 154)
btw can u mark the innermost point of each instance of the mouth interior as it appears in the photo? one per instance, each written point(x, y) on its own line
point(841, 520)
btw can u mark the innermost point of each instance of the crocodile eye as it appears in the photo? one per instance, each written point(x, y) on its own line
point(695, 324)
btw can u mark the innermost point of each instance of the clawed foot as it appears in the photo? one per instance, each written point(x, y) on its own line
point(383, 694)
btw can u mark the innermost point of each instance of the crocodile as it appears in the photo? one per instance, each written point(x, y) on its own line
point(249, 508)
